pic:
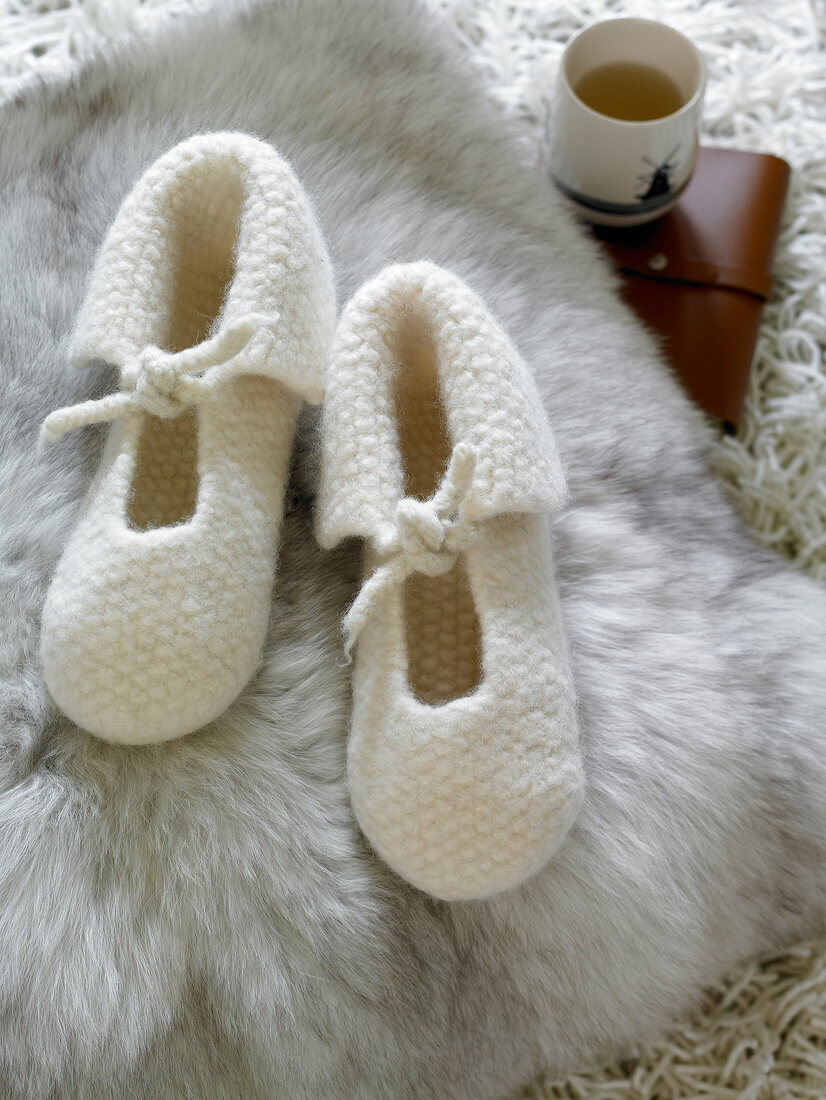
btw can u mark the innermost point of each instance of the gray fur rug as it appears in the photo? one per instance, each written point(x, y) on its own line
point(202, 918)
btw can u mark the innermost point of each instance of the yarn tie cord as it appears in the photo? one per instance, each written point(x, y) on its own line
point(425, 536)
point(165, 383)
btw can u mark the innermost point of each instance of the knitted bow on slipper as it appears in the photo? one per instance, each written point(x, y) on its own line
point(425, 537)
point(165, 383)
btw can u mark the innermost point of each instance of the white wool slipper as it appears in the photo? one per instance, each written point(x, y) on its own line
point(213, 293)
point(464, 763)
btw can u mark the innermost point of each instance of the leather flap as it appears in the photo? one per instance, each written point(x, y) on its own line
point(671, 266)
point(721, 233)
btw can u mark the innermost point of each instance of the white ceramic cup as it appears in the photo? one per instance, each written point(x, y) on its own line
point(617, 172)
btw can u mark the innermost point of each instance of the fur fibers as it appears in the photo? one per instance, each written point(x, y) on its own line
point(202, 918)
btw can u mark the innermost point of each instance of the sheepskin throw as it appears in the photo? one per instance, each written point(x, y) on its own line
point(205, 915)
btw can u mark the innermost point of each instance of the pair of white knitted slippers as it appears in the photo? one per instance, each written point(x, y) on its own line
point(213, 294)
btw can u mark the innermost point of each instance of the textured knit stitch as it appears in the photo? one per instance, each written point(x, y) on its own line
point(463, 759)
point(213, 294)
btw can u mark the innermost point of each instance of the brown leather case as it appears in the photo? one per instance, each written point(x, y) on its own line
point(700, 274)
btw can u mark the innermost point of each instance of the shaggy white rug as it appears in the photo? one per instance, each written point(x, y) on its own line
point(763, 1035)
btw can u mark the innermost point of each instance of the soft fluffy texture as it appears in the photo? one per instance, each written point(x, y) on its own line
point(203, 914)
point(463, 757)
point(157, 611)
